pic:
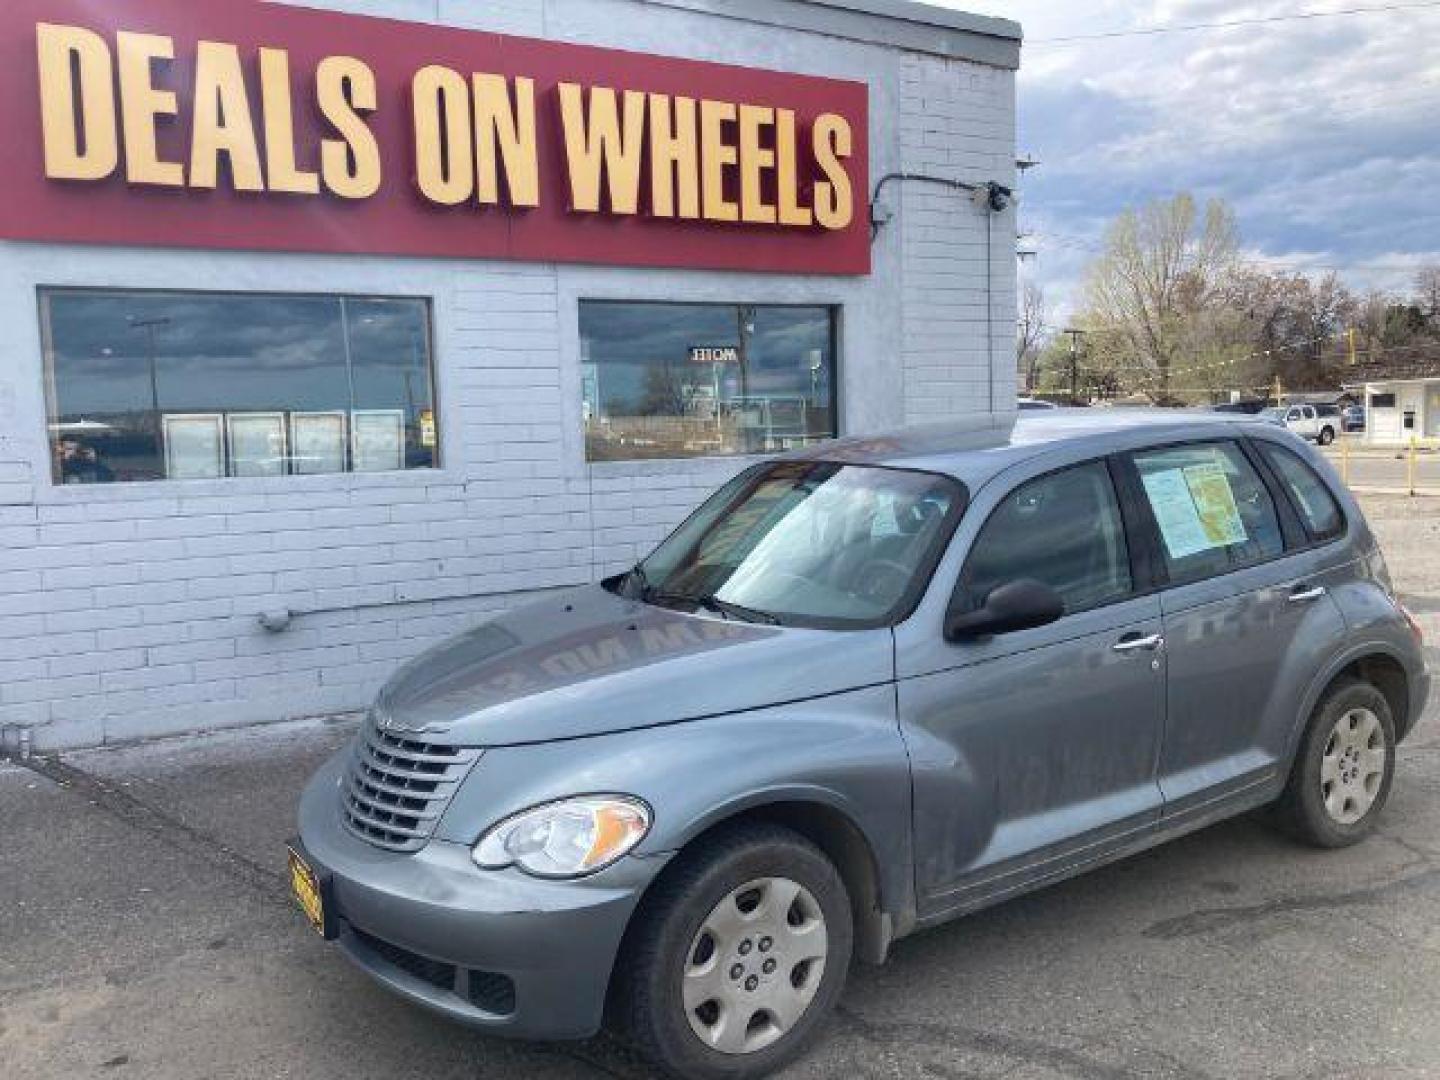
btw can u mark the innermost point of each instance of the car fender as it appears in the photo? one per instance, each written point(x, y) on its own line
point(842, 752)
point(1353, 651)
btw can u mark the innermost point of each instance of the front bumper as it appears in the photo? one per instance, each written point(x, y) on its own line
point(500, 951)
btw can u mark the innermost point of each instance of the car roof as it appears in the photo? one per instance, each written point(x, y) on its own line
point(975, 449)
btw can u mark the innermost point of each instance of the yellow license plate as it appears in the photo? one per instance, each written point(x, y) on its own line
point(305, 885)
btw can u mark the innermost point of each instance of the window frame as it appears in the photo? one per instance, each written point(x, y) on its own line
point(833, 307)
point(1138, 561)
point(1291, 530)
point(56, 487)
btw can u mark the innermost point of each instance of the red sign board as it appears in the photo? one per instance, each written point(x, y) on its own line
point(231, 124)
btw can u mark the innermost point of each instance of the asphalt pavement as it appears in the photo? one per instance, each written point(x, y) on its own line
point(147, 933)
point(1371, 471)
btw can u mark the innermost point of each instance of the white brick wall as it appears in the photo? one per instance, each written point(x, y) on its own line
point(131, 610)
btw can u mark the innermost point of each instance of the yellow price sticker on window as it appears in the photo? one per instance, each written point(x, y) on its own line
point(1215, 504)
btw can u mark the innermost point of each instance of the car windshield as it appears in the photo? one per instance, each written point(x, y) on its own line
point(1275, 414)
point(806, 544)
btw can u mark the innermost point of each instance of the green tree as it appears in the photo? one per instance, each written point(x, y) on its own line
point(1164, 266)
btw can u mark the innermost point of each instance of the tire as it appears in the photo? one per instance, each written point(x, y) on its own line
point(1338, 786)
point(1327, 436)
point(672, 1020)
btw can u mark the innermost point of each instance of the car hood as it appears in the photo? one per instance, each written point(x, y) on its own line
point(588, 662)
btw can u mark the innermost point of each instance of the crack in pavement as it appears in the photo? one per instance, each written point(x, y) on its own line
point(605, 1055)
point(1007, 1047)
point(1421, 855)
point(1214, 920)
point(266, 882)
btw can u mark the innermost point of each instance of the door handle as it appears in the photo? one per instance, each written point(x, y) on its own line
point(1307, 595)
point(1136, 643)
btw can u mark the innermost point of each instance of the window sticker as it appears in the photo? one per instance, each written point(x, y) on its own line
point(1195, 509)
point(1215, 503)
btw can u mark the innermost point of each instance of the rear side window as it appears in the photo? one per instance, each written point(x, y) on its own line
point(1063, 529)
point(1213, 511)
point(1312, 498)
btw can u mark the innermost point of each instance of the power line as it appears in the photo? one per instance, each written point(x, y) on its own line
point(1046, 238)
point(1076, 39)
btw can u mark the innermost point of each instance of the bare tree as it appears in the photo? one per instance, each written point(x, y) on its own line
point(1427, 291)
point(1163, 265)
point(1031, 332)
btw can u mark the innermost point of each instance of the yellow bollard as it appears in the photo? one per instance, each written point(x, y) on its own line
point(1410, 467)
point(1345, 459)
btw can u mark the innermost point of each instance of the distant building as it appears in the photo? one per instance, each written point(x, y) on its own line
point(1401, 398)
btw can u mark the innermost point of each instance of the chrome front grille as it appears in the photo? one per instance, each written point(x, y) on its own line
point(398, 787)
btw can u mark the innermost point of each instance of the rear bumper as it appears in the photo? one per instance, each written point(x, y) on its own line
point(500, 951)
point(1419, 698)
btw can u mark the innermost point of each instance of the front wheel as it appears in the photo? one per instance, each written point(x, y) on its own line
point(737, 956)
point(1342, 774)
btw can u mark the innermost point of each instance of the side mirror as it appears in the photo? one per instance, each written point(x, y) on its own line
point(1016, 605)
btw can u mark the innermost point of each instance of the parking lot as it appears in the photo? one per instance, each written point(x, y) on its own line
point(147, 933)
point(1376, 470)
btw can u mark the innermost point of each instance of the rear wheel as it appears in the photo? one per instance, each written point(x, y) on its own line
point(1327, 436)
point(737, 956)
point(1342, 774)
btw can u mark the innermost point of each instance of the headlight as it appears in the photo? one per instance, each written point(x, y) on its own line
point(566, 839)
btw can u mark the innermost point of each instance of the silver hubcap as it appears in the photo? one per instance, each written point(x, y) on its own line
point(1353, 766)
point(755, 965)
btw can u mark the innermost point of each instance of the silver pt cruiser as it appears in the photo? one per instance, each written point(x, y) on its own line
point(860, 692)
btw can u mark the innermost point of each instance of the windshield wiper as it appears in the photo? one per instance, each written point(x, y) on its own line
point(712, 603)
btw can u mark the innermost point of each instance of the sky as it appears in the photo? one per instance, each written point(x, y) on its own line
point(1321, 133)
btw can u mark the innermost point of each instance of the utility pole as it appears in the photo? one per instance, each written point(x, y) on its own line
point(1350, 337)
point(1075, 336)
point(746, 328)
point(1021, 357)
point(150, 326)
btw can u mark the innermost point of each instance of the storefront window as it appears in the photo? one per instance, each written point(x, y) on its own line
point(690, 380)
point(189, 386)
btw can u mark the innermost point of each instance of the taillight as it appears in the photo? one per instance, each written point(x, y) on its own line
point(1380, 571)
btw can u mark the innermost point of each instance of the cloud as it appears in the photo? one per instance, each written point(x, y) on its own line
point(1319, 132)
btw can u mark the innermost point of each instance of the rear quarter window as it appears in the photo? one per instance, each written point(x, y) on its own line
point(1312, 498)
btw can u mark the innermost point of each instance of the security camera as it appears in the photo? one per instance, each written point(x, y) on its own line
point(998, 196)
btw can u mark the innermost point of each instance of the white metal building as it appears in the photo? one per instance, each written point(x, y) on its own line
point(1398, 409)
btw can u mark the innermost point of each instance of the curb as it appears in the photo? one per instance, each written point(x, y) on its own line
point(1400, 492)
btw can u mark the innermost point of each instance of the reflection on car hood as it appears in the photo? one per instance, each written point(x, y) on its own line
point(589, 662)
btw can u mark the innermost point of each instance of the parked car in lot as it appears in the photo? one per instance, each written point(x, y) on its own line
point(1352, 419)
point(1028, 404)
point(864, 690)
point(1320, 423)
